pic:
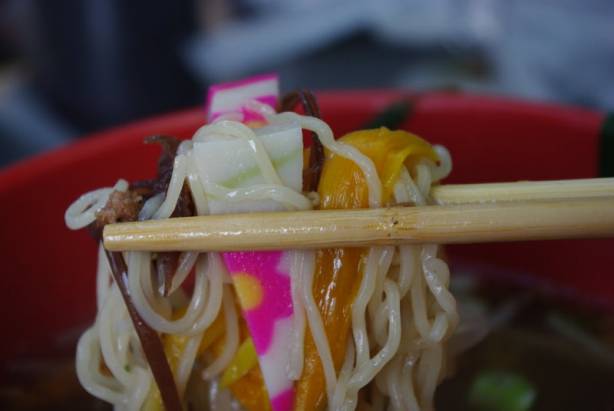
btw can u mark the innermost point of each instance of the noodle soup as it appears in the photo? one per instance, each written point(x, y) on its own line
point(383, 283)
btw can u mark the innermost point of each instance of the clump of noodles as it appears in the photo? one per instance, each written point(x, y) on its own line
point(403, 311)
point(428, 316)
point(112, 339)
point(401, 317)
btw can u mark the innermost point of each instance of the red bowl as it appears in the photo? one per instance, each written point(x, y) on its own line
point(49, 271)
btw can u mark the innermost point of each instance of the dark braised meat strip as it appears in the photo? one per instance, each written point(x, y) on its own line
point(311, 174)
point(149, 338)
point(165, 263)
point(124, 207)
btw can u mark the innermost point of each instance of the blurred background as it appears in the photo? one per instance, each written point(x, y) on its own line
point(71, 67)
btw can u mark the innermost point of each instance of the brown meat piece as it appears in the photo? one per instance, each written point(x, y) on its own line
point(122, 206)
point(149, 188)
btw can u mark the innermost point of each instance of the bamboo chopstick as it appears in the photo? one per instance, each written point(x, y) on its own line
point(523, 191)
point(469, 223)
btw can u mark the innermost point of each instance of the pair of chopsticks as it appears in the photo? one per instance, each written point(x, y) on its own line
point(472, 213)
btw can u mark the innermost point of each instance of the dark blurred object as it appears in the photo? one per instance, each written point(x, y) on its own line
point(71, 67)
point(55, 383)
point(559, 51)
point(103, 62)
point(78, 66)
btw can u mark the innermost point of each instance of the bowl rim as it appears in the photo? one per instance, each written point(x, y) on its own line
point(25, 169)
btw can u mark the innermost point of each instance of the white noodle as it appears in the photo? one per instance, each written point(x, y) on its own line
point(215, 271)
point(445, 164)
point(344, 376)
point(282, 194)
point(185, 264)
point(367, 287)
point(367, 370)
point(139, 268)
point(103, 278)
point(232, 337)
point(109, 340)
point(151, 206)
point(301, 263)
point(316, 326)
point(198, 194)
point(186, 362)
point(88, 369)
point(174, 189)
point(83, 211)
